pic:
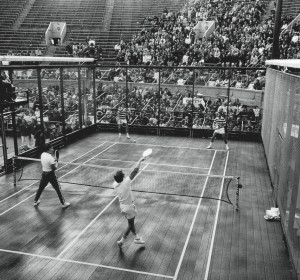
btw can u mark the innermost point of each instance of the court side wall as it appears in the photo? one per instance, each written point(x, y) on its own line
point(281, 139)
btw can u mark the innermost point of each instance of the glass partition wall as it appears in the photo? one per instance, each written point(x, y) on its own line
point(183, 98)
point(65, 100)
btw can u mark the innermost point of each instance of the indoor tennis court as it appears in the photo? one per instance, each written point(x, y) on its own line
point(190, 233)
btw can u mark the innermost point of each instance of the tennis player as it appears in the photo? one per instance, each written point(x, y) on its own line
point(122, 120)
point(122, 188)
point(220, 127)
point(49, 165)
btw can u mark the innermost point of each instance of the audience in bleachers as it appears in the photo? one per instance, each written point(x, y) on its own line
point(243, 37)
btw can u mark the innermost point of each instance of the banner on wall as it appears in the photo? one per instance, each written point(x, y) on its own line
point(204, 29)
point(196, 101)
point(55, 33)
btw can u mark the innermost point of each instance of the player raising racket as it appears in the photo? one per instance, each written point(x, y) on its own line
point(122, 119)
point(49, 165)
point(220, 127)
point(122, 186)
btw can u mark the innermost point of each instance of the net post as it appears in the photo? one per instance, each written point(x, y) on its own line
point(238, 187)
point(14, 158)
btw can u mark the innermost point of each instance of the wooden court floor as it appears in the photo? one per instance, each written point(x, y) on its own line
point(186, 237)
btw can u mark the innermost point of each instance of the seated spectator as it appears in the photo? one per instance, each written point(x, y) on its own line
point(144, 120)
point(88, 121)
point(197, 124)
point(186, 123)
point(153, 120)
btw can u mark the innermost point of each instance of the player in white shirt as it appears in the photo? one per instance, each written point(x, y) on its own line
point(122, 188)
point(49, 165)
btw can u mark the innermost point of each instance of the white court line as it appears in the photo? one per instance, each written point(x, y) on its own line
point(85, 229)
point(178, 147)
point(160, 164)
point(215, 225)
point(183, 173)
point(86, 263)
point(58, 178)
point(161, 171)
point(57, 169)
point(193, 222)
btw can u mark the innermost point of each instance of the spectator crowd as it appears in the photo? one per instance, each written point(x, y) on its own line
point(243, 36)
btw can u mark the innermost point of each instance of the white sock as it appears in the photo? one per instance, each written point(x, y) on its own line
point(122, 239)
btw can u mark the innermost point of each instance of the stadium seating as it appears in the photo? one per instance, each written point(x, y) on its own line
point(24, 23)
point(92, 18)
point(291, 7)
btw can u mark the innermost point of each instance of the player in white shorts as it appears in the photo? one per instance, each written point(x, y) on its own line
point(219, 125)
point(122, 187)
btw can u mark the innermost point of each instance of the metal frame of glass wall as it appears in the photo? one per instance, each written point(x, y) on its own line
point(65, 101)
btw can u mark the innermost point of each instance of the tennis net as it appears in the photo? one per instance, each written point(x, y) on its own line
point(151, 179)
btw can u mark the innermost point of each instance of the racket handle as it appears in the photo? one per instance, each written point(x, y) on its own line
point(14, 171)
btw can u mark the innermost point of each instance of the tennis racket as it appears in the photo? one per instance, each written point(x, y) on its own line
point(147, 152)
point(56, 154)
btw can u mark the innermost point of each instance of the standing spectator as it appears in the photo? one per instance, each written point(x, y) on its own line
point(33, 128)
point(25, 132)
point(39, 137)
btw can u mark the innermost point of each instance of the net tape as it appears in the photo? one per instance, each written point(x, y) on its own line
point(153, 181)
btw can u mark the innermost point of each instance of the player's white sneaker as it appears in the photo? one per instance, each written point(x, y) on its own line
point(128, 137)
point(227, 147)
point(36, 203)
point(119, 135)
point(66, 204)
point(139, 240)
point(208, 147)
point(121, 242)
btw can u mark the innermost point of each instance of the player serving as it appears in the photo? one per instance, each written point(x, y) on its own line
point(220, 127)
point(122, 186)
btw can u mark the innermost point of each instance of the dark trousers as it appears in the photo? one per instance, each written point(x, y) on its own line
point(49, 177)
point(130, 228)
